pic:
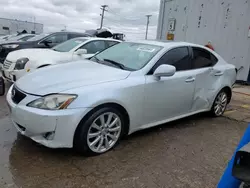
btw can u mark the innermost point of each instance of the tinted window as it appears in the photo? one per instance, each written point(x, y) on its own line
point(58, 38)
point(69, 45)
point(94, 46)
point(38, 37)
point(178, 57)
point(202, 58)
point(111, 43)
point(74, 35)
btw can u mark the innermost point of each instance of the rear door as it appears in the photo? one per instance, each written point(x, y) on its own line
point(206, 76)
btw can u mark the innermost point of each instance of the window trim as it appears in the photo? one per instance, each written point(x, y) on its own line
point(211, 55)
point(150, 72)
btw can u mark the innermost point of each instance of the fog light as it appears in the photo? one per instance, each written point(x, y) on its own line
point(49, 135)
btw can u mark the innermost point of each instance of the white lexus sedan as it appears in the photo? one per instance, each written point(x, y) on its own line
point(90, 105)
point(20, 62)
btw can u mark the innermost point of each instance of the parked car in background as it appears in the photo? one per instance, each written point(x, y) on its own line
point(21, 62)
point(90, 105)
point(22, 37)
point(46, 40)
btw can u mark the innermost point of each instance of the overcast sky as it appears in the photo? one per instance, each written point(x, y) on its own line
point(127, 16)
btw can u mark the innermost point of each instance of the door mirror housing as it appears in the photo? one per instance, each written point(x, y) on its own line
point(165, 71)
point(81, 52)
point(47, 42)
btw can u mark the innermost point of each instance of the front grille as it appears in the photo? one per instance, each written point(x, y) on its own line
point(16, 95)
point(7, 64)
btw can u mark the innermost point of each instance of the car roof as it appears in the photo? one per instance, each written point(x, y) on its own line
point(97, 38)
point(71, 32)
point(167, 44)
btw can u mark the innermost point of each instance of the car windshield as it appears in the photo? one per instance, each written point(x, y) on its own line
point(132, 56)
point(69, 45)
point(39, 37)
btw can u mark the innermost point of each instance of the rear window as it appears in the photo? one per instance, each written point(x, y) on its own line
point(202, 58)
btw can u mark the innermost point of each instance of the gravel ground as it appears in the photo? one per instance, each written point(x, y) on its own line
point(192, 152)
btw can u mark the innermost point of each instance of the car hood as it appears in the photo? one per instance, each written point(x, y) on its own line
point(37, 54)
point(62, 77)
point(16, 42)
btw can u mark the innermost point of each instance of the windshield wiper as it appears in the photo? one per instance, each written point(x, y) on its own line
point(121, 66)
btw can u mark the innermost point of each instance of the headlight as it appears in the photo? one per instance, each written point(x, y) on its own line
point(20, 63)
point(10, 46)
point(53, 102)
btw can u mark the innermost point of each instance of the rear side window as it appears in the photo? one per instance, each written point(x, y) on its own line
point(178, 57)
point(202, 58)
point(75, 35)
point(111, 43)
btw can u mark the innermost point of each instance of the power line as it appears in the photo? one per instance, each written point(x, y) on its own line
point(148, 16)
point(103, 8)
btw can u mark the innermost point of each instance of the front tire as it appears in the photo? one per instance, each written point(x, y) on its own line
point(100, 132)
point(220, 104)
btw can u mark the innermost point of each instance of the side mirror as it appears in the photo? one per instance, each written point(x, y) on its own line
point(165, 71)
point(47, 42)
point(81, 52)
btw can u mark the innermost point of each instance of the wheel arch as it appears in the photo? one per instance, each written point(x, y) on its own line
point(228, 90)
point(117, 106)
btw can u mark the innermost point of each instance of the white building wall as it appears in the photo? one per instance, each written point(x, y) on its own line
point(224, 23)
point(18, 26)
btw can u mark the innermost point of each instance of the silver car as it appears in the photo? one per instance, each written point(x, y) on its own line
point(90, 105)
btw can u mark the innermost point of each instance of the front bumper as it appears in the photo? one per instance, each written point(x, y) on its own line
point(36, 123)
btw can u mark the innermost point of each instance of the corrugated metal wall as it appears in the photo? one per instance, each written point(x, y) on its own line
point(16, 25)
point(225, 23)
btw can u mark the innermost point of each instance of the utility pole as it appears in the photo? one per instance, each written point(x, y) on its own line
point(103, 8)
point(148, 16)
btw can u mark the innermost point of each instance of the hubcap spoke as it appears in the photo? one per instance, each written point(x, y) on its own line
point(113, 123)
point(93, 135)
point(96, 126)
point(100, 143)
point(106, 142)
point(95, 141)
point(111, 136)
point(109, 119)
point(102, 120)
point(114, 129)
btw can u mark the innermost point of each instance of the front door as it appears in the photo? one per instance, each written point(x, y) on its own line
point(170, 97)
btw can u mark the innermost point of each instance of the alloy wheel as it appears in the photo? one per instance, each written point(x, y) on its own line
point(104, 132)
point(220, 104)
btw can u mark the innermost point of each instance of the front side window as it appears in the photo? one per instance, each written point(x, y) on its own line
point(57, 38)
point(133, 56)
point(68, 45)
point(178, 57)
point(94, 46)
point(38, 37)
point(202, 58)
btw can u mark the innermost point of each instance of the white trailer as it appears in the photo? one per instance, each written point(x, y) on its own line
point(223, 23)
point(9, 26)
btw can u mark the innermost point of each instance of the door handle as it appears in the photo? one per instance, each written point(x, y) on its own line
point(218, 73)
point(190, 79)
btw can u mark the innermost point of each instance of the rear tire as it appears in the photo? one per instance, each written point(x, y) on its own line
point(100, 133)
point(220, 104)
